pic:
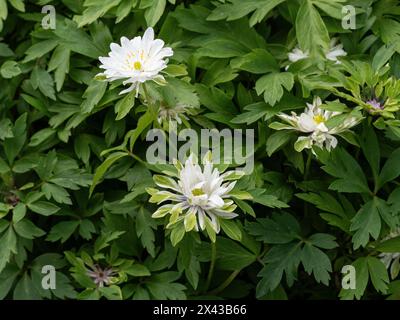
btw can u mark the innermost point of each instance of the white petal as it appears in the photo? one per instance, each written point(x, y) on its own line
point(148, 35)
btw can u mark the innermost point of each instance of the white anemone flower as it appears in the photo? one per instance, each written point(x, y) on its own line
point(137, 60)
point(296, 55)
point(200, 196)
point(335, 51)
point(391, 260)
point(314, 122)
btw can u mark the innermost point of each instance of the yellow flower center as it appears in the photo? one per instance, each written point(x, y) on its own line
point(137, 66)
point(319, 119)
point(197, 192)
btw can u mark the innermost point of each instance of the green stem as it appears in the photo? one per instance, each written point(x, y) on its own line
point(260, 256)
point(135, 157)
point(345, 96)
point(308, 165)
point(225, 284)
point(146, 93)
point(212, 265)
point(306, 174)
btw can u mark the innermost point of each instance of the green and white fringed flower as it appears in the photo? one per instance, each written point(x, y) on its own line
point(315, 121)
point(200, 197)
point(176, 113)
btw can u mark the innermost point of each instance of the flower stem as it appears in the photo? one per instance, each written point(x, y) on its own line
point(345, 96)
point(225, 284)
point(146, 93)
point(306, 174)
point(308, 165)
point(135, 157)
point(212, 265)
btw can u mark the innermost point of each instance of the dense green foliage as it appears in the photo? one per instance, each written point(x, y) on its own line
point(75, 184)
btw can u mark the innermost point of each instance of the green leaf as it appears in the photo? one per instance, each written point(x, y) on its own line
point(10, 69)
point(3, 166)
point(86, 229)
point(245, 207)
point(231, 229)
point(175, 70)
point(60, 63)
point(222, 48)
point(12, 146)
point(370, 147)
point(104, 240)
point(138, 270)
point(43, 207)
point(8, 246)
point(188, 261)
point(144, 230)
point(40, 49)
point(333, 8)
point(144, 121)
point(267, 200)
point(350, 176)
point(367, 267)
point(76, 39)
point(101, 170)
point(177, 234)
point(25, 289)
point(59, 194)
point(41, 79)
point(19, 212)
point(382, 56)
point(7, 278)
point(236, 9)
point(362, 275)
point(311, 31)
point(5, 50)
point(391, 245)
point(124, 8)
point(4, 209)
point(272, 85)
point(40, 136)
point(366, 223)
point(253, 113)
point(277, 140)
point(378, 274)
point(62, 231)
point(391, 168)
point(232, 256)
point(94, 10)
point(281, 259)
point(36, 103)
point(27, 229)
point(125, 105)
point(259, 61)
point(93, 95)
point(18, 4)
point(336, 214)
point(323, 240)
point(317, 263)
point(6, 129)
point(280, 229)
point(154, 12)
point(162, 286)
